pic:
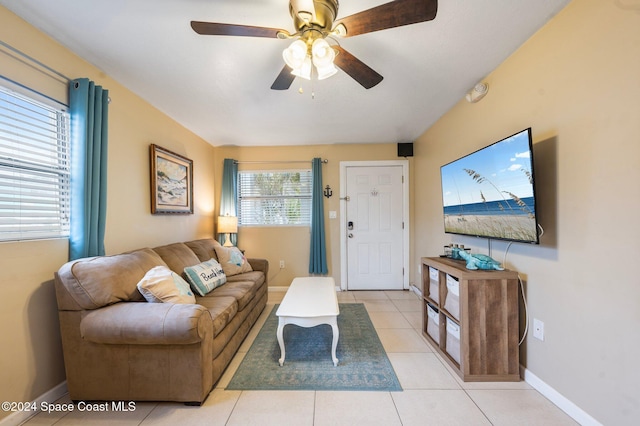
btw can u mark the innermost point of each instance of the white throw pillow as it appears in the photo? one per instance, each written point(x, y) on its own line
point(161, 284)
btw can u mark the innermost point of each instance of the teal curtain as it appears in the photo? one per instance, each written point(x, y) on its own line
point(88, 108)
point(229, 195)
point(318, 251)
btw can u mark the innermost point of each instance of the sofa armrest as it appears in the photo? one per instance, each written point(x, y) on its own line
point(143, 323)
point(259, 265)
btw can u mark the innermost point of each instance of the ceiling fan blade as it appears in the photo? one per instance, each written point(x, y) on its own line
point(357, 69)
point(284, 79)
point(389, 15)
point(213, 28)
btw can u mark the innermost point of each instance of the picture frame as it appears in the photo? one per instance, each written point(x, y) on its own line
point(171, 182)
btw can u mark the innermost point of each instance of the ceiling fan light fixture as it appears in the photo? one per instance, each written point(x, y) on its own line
point(326, 72)
point(322, 54)
point(295, 54)
point(304, 70)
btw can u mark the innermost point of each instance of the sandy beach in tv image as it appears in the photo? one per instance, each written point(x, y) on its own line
point(490, 193)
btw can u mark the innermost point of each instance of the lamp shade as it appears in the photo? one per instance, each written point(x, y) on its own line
point(323, 56)
point(295, 54)
point(326, 71)
point(322, 53)
point(305, 69)
point(227, 224)
point(302, 58)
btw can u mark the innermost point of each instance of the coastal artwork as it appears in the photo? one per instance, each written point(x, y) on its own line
point(490, 193)
point(172, 182)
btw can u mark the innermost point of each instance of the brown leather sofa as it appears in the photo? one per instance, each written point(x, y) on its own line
point(119, 347)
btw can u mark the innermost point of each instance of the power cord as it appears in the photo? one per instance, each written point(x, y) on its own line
point(524, 298)
point(526, 312)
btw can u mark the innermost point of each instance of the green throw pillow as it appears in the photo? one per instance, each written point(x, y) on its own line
point(205, 276)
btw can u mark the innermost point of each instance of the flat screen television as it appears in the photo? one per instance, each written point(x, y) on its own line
point(491, 193)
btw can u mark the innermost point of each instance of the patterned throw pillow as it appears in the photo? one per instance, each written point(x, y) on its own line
point(161, 284)
point(205, 276)
point(232, 260)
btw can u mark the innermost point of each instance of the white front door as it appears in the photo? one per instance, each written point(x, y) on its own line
point(375, 237)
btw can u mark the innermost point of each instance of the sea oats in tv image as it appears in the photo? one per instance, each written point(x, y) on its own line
point(491, 192)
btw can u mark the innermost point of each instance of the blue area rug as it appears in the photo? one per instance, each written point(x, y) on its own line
point(363, 365)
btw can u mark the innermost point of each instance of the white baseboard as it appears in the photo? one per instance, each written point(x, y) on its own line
point(50, 396)
point(415, 289)
point(278, 288)
point(575, 412)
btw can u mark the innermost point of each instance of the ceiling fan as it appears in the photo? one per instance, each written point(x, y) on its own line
point(314, 23)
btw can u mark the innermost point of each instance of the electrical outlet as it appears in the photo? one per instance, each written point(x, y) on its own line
point(538, 329)
point(282, 264)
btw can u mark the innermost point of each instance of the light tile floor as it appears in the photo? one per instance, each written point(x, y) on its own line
point(432, 393)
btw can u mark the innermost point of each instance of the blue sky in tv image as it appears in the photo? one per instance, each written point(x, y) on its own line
point(489, 176)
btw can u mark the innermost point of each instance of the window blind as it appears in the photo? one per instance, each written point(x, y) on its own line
point(274, 198)
point(34, 169)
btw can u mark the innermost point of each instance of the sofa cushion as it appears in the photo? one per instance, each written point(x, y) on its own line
point(255, 276)
point(205, 249)
point(161, 284)
point(177, 256)
point(205, 276)
point(232, 260)
point(146, 324)
point(222, 310)
point(242, 291)
point(99, 281)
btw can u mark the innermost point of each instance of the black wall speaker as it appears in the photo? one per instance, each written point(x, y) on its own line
point(405, 149)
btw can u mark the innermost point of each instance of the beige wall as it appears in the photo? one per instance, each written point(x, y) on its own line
point(291, 244)
point(31, 359)
point(576, 83)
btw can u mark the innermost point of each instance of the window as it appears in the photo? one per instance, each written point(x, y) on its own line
point(34, 169)
point(274, 198)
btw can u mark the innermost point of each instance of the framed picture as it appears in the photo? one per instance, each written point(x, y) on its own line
point(171, 182)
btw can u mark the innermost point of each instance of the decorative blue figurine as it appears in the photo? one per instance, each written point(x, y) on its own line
point(476, 261)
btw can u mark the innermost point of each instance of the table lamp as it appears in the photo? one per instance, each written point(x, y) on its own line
point(227, 225)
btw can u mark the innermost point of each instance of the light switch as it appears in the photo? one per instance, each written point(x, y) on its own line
point(332, 214)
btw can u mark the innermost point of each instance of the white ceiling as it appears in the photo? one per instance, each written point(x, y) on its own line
point(219, 86)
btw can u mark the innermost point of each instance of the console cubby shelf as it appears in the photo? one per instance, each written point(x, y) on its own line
point(477, 330)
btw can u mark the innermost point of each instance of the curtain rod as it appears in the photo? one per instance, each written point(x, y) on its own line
point(35, 64)
point(325, 161)
point(34, 60)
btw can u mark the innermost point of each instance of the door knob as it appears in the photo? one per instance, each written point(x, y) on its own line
point(350, 235)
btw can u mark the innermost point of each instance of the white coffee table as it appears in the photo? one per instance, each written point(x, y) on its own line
point(310, 301)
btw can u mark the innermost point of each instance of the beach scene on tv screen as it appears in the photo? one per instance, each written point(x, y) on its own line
point(490, 193)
